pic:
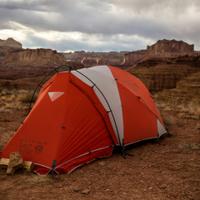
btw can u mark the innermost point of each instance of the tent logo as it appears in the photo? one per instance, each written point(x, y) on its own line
point(55, 95)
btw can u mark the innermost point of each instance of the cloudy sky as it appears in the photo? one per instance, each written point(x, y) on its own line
point(99, 25)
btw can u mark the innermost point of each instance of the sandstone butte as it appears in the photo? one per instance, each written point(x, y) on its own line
point(161, 49)
point(16, 62)
point(10, 42)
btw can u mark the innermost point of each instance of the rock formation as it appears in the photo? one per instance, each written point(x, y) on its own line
point(33, 57)
point(159, 74)
point(134, 57)
point(16, 62)
point(10, 42)
point(7, 46)
point(161, 49)
point(170, 48)
point(88, 59)
point(184, 99)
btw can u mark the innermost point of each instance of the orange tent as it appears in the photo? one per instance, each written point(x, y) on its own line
point(83, 114)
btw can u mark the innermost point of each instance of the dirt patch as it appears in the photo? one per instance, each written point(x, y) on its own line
point(164, 170)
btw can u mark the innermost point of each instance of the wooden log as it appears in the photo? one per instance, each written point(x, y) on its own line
point(28, 165)
point(4, 163)
point(14, 162)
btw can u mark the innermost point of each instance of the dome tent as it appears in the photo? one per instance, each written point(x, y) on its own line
point(83, 114)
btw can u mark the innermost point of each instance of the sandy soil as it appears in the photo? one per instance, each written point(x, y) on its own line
point(167, 169)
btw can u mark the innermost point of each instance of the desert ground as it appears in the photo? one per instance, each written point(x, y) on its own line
point(164, 169)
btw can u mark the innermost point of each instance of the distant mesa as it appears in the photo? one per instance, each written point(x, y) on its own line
point(161, 49)
point(34, 57)
point(16, 62)
point(88, 59)
point(12, 54)
point(169, 48)
point(10, 42)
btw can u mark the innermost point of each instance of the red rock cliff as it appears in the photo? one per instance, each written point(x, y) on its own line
point(10, 42)
point(161, 49)
point(33, 57)
point(170, 48)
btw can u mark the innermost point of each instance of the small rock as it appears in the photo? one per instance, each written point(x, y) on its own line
point(150, 188)
point(163, 186)
point(85, 191)
point(75, 188)
point(101, 163)
point(195, 146)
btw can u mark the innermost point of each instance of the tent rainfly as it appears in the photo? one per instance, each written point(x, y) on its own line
point(81, 115)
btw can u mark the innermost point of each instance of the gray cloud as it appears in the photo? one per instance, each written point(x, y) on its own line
point(147, 20)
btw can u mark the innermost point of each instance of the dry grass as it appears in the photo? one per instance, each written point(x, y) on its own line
point(184, 100)
point(14, 100)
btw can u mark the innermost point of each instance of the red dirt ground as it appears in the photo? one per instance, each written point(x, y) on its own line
point(164, 170)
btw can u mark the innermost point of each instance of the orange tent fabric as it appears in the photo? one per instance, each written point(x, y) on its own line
point(82, 115)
